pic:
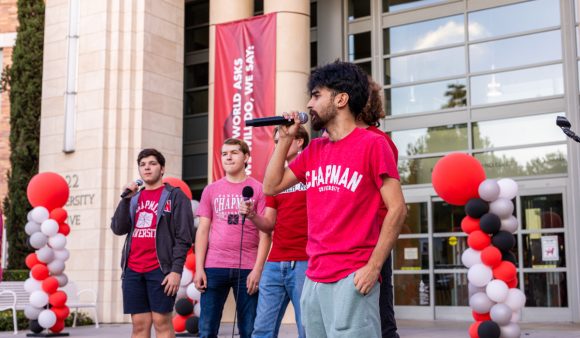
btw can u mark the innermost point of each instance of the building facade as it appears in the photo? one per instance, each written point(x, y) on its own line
point(486, 77)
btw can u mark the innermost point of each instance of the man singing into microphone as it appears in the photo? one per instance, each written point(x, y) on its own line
point(226, 257)
point(158, 223)
point(347, 175)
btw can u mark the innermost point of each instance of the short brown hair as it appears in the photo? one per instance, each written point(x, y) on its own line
point(373, 111)
point(301, 134)
point(151, 152)
point(237, 142)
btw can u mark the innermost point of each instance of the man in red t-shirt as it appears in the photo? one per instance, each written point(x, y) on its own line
point(348, 176)
point(284, 272)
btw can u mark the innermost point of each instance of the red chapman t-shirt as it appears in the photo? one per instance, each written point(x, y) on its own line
point(291, 229)
point(383, 209)
point(143, 256)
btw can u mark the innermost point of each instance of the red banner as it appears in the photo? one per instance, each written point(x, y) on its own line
point(245, 88)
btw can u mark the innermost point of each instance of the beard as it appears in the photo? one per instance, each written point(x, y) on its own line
point(319, 122)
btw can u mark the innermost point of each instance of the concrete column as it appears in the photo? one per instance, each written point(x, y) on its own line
point(129, 96)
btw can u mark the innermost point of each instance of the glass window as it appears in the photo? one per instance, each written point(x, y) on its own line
point(432, 139)
point(419, 67)
point(195, 128)
point(411, 289)
point(424, 35)
point(313, 14)
point(400, 5)
point(500, 133)
point(426, 97)
point(517, 85)
point(544, 250)
point(411, 254)
point(196, 75)
point(451, 289)
point(195, 166)
point(514, 52)
point(366, 66)
point(542, 212)
point(313, 54)
point(447, 217)
point(359, 46)
point(358, 9)
point(196, 39)
point(258, 7)
point(196, 102)
point(524, 16)
point(447, 252)
point(416, 221)
point(546, 289)
point(417, 170)
point(196, 13)
point(525, 162)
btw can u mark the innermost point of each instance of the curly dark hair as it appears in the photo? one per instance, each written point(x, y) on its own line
point(151, 152)
point(343, 77)
point(373, 110)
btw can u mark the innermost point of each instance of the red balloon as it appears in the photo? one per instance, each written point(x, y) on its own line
point(47, 189)
point(480, 317)
point(49, 285)
point(61, 312)
point(469, 224)
point(190, 262)
point(456, 178)
point(179, 323)
point(176, 182)
point(491, 256)
point(513, 283)
point(31, 260)
point(505, 271)
point(478, 240)
point(39, 272)
point(473, 330)
point(64, 229)
point(59, 215)
point(58, 326)
point(57, 299)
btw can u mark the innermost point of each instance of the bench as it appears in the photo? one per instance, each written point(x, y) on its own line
point(14, 297)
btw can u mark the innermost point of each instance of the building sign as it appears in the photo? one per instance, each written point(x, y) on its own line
point(245, 88)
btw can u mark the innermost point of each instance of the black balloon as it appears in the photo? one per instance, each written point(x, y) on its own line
point(488, 329)
point(184, 307)
point(490, 223)
point(192, 325)
point(35, 327)
point(503, 240)
point(510, 257)
point(476, 207)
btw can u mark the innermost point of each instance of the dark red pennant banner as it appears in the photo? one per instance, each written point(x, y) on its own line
point(245, 88)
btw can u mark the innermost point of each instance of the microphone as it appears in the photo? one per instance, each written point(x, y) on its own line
point(276, 121)
point(565, 125)
point(127, 191)
point(247, 193)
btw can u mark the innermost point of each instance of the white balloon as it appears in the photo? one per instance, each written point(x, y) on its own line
point(501, 314)
point(474, 289)
point(32, 312)
point(479, 274)
point(38, 240)
point(45, 254)
point(509, 224)
point(57, 241)
point(47, 319)
point(31, 227)
point(56, 267)
point(488, 190)
point(511, 330)
point(186, 277)
point(29, 216)
point(38, 298)
point(196, 222)
point(502, 207)
point(181, 292)
point(193, 292)
point(516, 316)
point(39, 214)
point(194, 206)
point(31, 285)
point(197, 309)
point(508, 188)
point(62, 279)
point(480, 303)
point(516, 299)
point(49, 227)
point(471, 257)
point(497, 290)
point(62, 254)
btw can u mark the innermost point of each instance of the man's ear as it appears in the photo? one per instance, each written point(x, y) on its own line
point(341, 100)
point(300, 142)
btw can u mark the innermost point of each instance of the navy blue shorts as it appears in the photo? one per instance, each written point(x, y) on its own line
point(143, 292)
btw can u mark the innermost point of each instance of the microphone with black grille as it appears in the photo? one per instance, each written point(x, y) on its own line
point(565, 125)
point(128, 191)
point(247, 193)
point(276, 121)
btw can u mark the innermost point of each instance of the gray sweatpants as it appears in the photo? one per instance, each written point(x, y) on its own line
point(336, 310)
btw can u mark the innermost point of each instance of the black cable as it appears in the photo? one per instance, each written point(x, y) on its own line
point(239, 277)
point(570, 134)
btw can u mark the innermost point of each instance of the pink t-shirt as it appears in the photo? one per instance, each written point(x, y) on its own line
point(220, 203)
point(343, 179)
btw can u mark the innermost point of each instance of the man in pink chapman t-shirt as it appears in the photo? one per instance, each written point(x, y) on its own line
point(348, 176)
point(219, 242)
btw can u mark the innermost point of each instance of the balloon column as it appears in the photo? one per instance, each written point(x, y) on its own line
point(187, 306)
point(494, 298)
point(47, 193)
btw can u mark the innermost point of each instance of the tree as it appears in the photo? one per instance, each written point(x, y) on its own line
point(24, 81)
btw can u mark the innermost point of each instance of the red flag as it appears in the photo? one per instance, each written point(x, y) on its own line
point(245, 88)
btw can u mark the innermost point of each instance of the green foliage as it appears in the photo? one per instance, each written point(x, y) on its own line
point(22, 321)
point(15, 275)
point(24, 81)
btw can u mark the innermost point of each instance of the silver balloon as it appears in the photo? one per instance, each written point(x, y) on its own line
point(474, 289)
point(38, 240)
point(194, 206)
point(39, 214)
point(512, 330)
point(62, 279)
point(509, 224)
point(62, 254)
point(31, 285)
point(32, 312)
point(56, 267)
point(508, 188)
point(196, 222)
point(471, 257)
point(501, 314)
point(480, 303)
point(488, 190)
point(47, 319)
point(502, 207)
point(516, 299)
point(31, 227)
point(45, 254)
point(29, 216)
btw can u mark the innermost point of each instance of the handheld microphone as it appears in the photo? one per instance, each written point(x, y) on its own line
point(127, 191)
point(276, 121)
point(565, 125)
point(247, 193)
